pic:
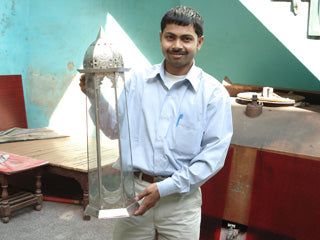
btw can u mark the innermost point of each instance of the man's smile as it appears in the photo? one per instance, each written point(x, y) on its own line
point(177, 54)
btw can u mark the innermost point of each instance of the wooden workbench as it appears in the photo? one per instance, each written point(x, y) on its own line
point(271, 174)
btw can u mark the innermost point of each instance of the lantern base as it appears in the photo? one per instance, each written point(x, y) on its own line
point(111, 213)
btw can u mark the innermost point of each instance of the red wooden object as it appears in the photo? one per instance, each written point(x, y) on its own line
point(12, 105)
point(284, 201)
point(285, 197)
point(214, 191)
point(16, 163)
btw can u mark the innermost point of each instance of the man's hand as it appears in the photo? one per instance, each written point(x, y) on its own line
point(82, 83)
point(151, 197)
point(87, 85)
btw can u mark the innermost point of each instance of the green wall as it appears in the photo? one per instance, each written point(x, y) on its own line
point(240, 47)
point(45, 41)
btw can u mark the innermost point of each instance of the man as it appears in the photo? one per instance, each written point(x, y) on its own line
point(181, 127)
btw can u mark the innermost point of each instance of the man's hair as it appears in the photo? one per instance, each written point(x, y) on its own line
point(183, 16)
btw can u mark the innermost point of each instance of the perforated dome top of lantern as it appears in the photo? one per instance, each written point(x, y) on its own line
point(102, 57)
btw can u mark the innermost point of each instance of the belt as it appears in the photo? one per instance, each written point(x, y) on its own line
point(149, 178)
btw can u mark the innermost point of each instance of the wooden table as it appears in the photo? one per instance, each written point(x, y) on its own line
point(14, 165)
point(66, 156)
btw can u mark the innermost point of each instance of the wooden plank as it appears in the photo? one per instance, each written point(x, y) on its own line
point(240, 185)
point(62, 152)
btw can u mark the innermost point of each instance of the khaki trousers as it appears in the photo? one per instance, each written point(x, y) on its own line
point(173, 217)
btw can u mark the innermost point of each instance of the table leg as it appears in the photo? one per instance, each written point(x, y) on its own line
point(83, 181)
point(4, 204)
point(38, 193)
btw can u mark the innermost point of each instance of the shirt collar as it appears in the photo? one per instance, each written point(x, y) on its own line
point(157, 72)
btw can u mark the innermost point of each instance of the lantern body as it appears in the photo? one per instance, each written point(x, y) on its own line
point(110, 171)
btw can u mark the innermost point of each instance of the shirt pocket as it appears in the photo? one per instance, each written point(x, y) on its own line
point(187, 137)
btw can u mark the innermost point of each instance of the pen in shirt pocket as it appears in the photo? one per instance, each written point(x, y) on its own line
point(179, 118)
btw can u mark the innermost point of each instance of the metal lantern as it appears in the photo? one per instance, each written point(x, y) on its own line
point(110, 175)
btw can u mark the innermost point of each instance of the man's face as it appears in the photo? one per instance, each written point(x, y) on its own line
point(179, 46)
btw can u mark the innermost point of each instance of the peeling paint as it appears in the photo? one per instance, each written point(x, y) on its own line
point(3, 53)
point(5, 22)
point(13, 7)
point(239, 187)
point(46, 90)
point(70, 66)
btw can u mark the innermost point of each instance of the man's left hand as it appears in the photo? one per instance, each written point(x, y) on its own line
point(151, 197)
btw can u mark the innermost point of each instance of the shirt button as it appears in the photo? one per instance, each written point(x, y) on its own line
point(159, 138)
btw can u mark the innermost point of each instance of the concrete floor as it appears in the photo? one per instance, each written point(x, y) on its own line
point(55, 221)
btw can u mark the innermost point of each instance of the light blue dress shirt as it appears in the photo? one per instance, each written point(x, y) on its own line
point(183, 132)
